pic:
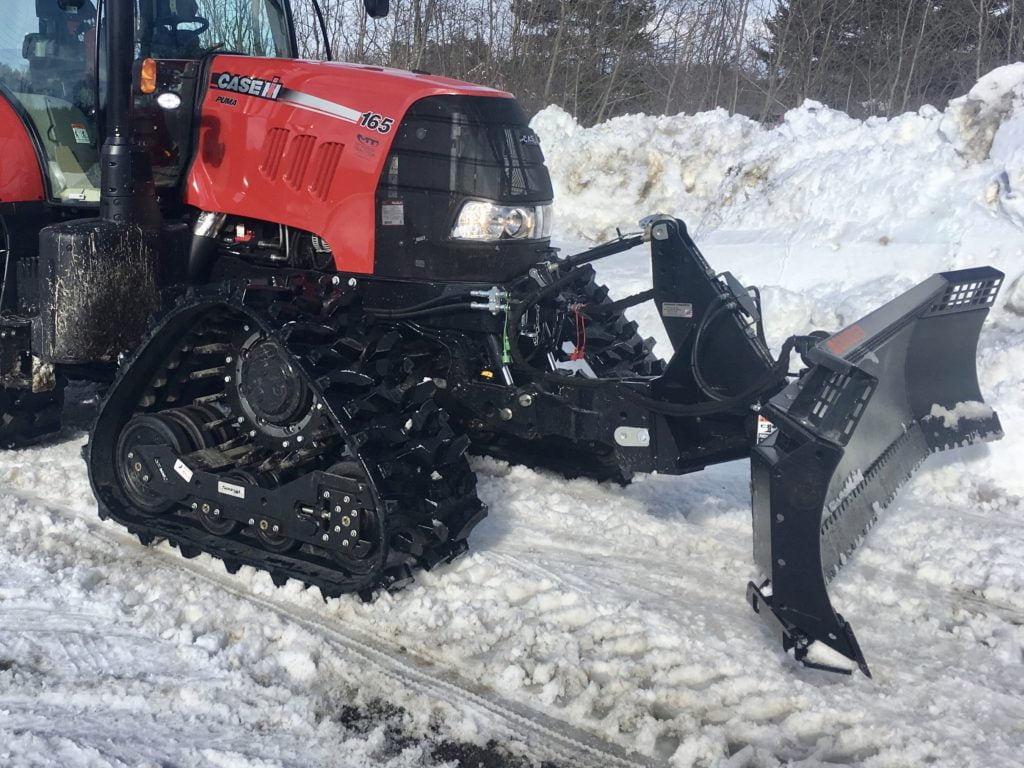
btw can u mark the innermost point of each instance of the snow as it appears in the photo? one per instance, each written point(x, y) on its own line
point(971, 409)
point(819, 653)
point(592, 617)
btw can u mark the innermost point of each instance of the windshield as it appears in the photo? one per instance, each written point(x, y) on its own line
point(189, 29)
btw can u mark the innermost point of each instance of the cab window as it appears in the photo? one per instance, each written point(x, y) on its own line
point(190, 29)
point(47, 51)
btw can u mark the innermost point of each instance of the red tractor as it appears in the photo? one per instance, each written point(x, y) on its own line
point(311, 288)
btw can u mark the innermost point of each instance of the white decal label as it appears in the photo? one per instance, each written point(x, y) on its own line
point(765, 429)
point(392, 214)
point(670, 309)
point(228, 489)
point(182, 469)
point(81, 134)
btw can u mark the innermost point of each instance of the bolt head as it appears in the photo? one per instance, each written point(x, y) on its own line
point(216, 512)
point(335, 280)
point(145, 478)
point(285, 443)
point(251, 521)
point(276, 528)
point(227, 379)
point(352, 282)
point(326, 537)
point(327, 494)
point(194, 505)
point(229, 359)
point(526, 400)
point(337, 509)
point(353, 533)
point(344, 542)
point(337, 529)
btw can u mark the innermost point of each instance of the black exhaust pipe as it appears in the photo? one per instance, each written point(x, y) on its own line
point(127, 192)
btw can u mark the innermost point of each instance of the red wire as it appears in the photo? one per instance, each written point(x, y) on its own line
point(581, 335)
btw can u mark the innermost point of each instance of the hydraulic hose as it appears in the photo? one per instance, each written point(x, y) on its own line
point(705, 323)
point(408, 314)
point(402, 312)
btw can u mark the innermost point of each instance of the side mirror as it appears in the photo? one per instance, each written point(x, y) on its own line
point(37, 46)
point(376, 9)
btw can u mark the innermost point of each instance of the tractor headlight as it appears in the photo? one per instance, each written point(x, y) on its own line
point(483, 220)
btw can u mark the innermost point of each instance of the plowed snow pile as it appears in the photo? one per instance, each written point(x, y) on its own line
point(617, 611)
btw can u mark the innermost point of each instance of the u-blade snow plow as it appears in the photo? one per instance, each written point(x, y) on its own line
point(879, 397)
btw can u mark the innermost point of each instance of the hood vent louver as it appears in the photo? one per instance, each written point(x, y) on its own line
point(273, 152)
point(322, 172)
point(299, 153)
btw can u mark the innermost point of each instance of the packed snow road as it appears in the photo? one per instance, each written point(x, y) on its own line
point(585, 614)
point(592, 624)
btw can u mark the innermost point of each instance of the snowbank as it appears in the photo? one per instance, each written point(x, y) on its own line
point(836, 198)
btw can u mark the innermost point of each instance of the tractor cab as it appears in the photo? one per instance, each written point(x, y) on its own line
point(53, 69)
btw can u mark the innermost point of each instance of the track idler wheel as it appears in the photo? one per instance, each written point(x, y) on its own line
point(359, 529)
point(132, 473)
point(275, 542)
point(217, 524)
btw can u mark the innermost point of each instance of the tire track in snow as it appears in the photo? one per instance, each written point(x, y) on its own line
point(546, 737)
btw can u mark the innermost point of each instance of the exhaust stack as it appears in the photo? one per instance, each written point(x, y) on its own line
point(127, 192)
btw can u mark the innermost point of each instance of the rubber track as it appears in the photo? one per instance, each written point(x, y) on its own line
point(614, 346)
point(427, 491)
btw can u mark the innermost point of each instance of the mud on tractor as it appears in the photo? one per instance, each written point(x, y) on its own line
point(311, 289)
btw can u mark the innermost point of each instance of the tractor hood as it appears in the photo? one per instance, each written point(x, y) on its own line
point(304, 143)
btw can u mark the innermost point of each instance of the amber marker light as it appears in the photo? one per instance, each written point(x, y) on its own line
point(147, 76)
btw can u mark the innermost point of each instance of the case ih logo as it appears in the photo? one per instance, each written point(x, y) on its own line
point(251, 86)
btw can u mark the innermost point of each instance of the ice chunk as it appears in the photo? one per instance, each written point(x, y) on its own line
point(970, 409)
